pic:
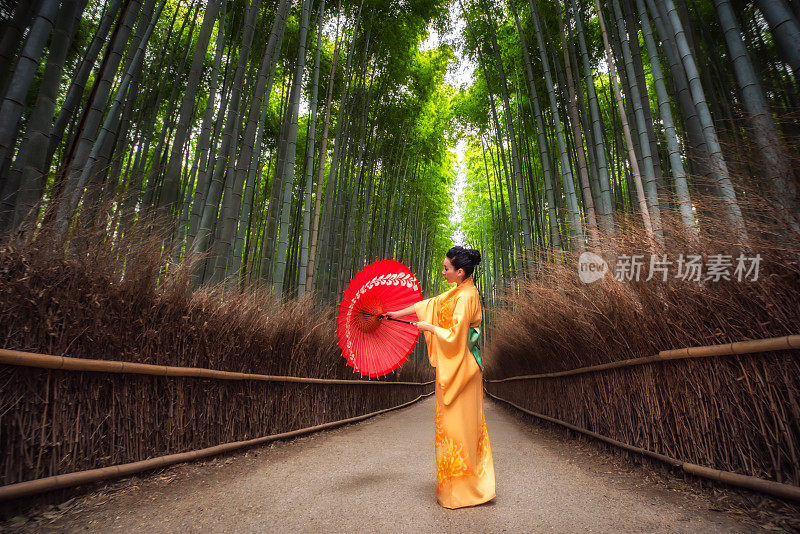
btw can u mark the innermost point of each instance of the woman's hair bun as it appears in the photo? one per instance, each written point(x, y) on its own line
point(464, 258)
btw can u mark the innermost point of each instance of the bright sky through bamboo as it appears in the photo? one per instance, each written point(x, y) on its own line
point(459, 74)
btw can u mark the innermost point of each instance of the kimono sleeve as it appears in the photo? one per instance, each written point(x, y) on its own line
point(426, 310)
point(455, 362)
point(453, 340)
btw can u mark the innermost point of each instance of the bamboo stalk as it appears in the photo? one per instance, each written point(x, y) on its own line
point(728, 349)
point(777, 489)
point(41, 485)
point(46, 361)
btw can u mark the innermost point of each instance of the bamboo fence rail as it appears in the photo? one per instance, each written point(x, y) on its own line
point(33, 487)
point(66, 363)
point(784, 491)
point(727, 349)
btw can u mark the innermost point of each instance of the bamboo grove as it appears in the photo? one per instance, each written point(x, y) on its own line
point(285, 143)
point(586, 117)
point(289, 143)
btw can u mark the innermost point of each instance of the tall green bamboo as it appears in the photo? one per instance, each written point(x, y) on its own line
point(776, 165)
point(682, 194)
point(286, 167)
point(719, 168)
point(575, 224)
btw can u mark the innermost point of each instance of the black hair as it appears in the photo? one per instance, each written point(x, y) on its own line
point(464, 258)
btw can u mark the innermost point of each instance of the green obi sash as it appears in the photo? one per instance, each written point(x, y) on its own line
point(472, 344)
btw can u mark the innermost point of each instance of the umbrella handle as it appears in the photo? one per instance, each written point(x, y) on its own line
point(380, 316)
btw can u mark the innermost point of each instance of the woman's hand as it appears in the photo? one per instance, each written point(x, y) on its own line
point(422, 326)
point(399, 313)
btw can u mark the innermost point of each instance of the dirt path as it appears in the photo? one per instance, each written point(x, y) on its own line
point(378, 476)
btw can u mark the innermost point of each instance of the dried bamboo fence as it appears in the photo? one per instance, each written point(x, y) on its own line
point(734, 419)
point(130, 417)
point(192, 368)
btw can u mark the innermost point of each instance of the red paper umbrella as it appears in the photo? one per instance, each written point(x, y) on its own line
point(371, 344)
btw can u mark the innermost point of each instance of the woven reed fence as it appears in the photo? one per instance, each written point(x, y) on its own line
point(73, 415)
point(56, 421)
point(738, 413)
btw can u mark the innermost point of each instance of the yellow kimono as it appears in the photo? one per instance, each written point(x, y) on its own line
point(464, 468)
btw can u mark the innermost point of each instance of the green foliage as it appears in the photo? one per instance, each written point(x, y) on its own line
point(394, 117)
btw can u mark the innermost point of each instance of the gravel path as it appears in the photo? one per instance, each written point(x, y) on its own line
point(378, 476)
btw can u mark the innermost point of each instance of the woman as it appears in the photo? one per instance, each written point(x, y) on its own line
point(464, 468)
